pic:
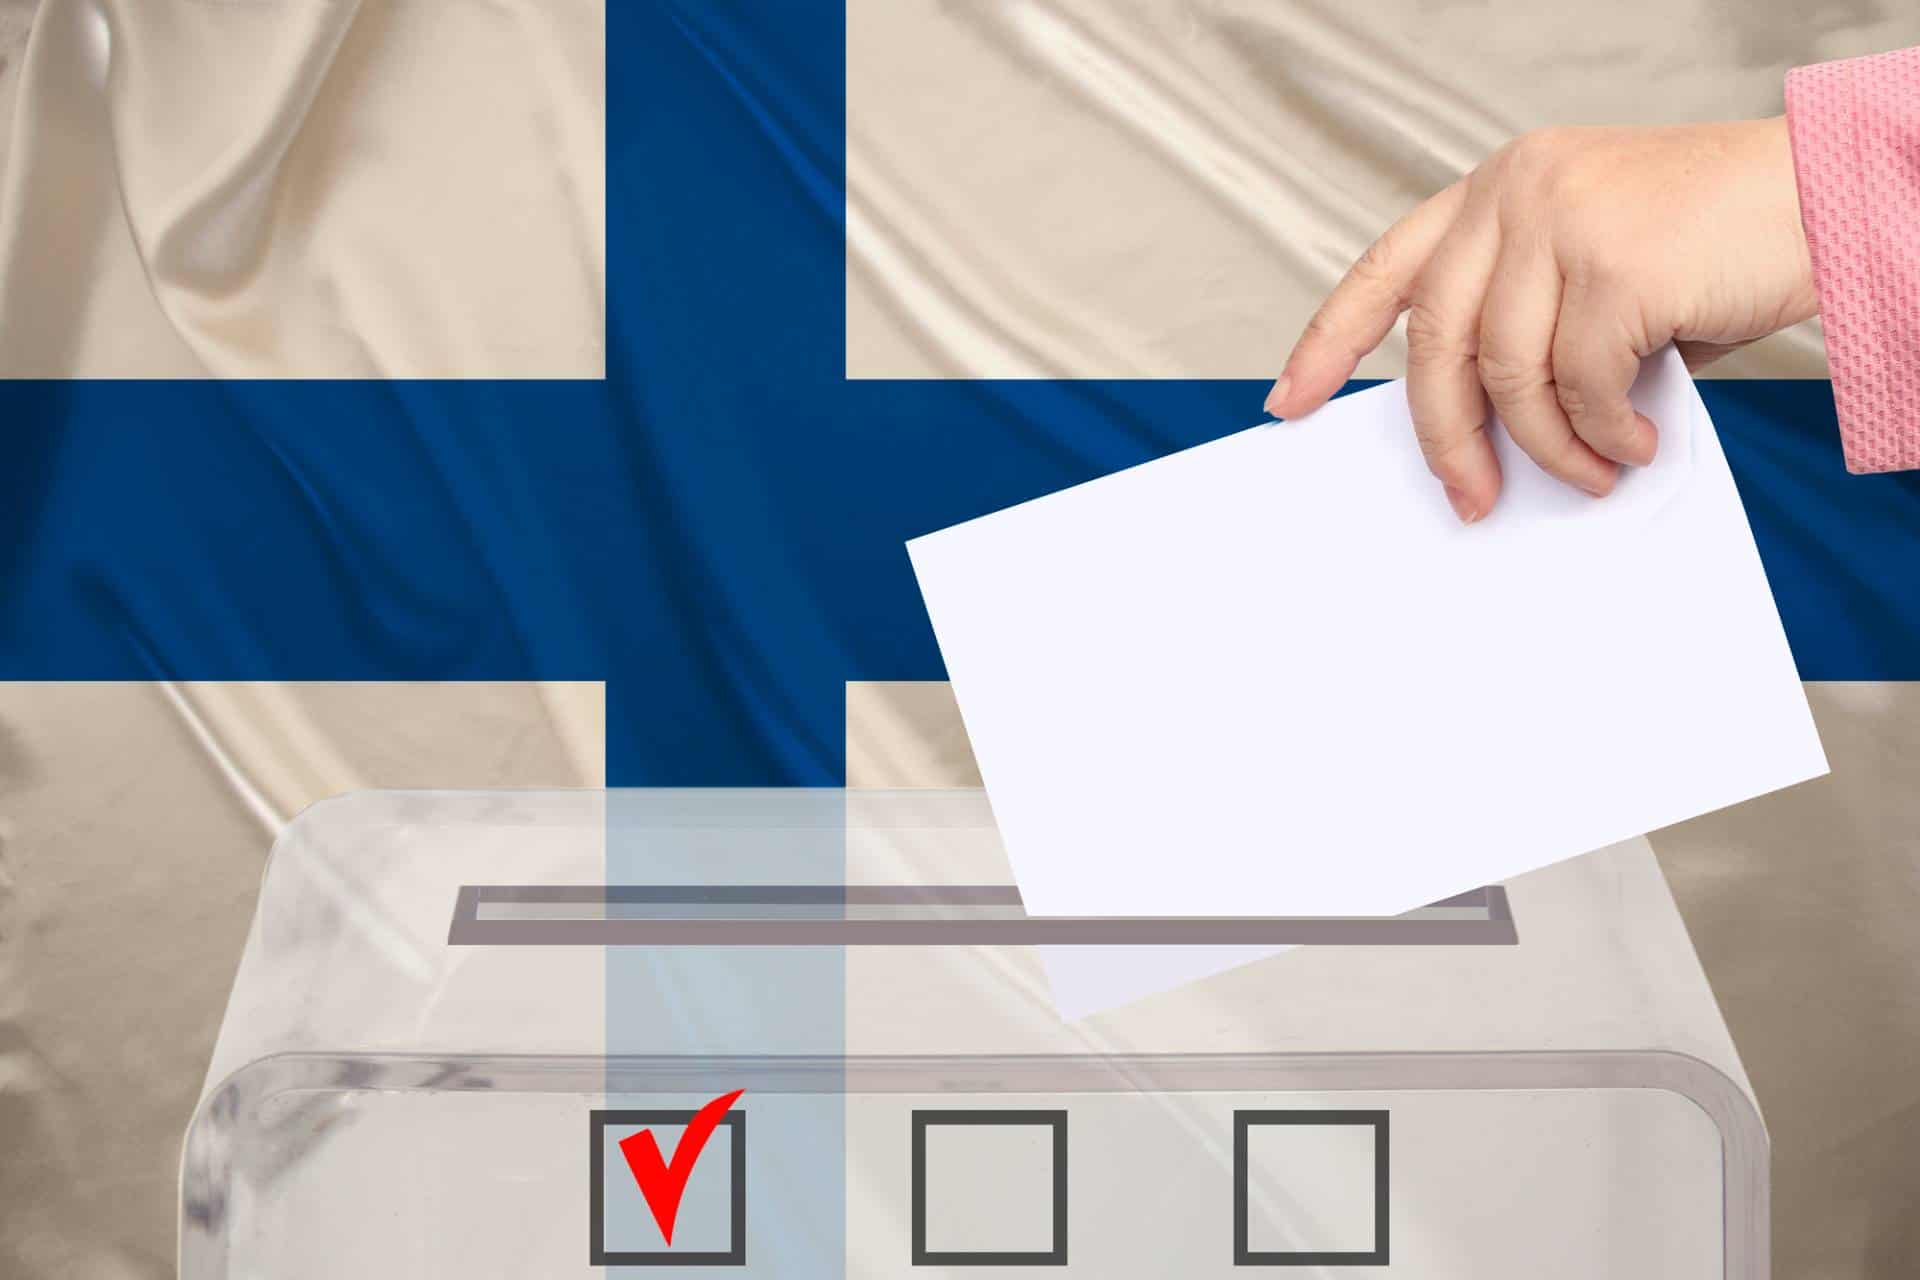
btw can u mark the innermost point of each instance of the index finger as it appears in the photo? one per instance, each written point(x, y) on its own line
point(1361, 310)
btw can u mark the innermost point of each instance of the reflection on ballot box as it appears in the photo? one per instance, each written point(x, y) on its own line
point(806, 1033)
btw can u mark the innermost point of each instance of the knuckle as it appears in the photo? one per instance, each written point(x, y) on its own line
point(1430, 336)
point(1581, 269)
point(1574, 402)
point(1585, 200)
point(1374, 267)
point(1595, 421)
point(1538, 153)
point(1320, 325)
point(1505, 376)
point(1553, 179)
point(1440, 444)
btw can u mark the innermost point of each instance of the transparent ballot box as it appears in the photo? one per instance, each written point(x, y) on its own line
point(808, 1034)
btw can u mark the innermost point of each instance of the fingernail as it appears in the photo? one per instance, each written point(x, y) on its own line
point(1277, 396)
point(1462, 505)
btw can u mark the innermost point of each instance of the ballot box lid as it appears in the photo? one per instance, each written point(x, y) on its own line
point(822, 923)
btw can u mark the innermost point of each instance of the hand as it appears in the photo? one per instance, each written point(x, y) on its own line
point(1544, 276)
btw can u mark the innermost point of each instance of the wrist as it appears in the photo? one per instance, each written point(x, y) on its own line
point(1786, 228)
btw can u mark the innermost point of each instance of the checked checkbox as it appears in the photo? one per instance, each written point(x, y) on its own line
point(669, 1187)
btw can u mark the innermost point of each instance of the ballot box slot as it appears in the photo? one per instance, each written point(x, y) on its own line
point(733, 915)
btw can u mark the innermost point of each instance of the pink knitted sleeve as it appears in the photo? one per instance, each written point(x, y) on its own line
point(1855, 127)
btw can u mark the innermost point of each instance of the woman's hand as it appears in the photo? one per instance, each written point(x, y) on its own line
point(1544, 276)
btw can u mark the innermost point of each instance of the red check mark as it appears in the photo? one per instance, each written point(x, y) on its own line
point(662, 1183)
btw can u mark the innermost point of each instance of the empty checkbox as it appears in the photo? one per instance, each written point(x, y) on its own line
point(989, 1188)
point(1310, 1188)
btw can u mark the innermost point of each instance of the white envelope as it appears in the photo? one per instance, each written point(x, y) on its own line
point(1273, 675)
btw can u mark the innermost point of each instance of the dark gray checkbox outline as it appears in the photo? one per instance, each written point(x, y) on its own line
point(1054, 1257)
point(1243, 1122)
point(600, 1256)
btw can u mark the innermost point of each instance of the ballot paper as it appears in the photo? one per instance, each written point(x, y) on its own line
point(1274, 675)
